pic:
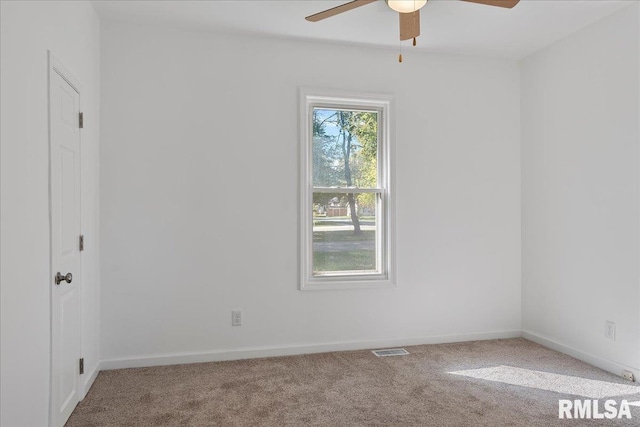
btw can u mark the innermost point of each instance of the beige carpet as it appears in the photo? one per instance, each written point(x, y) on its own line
point(358, 389)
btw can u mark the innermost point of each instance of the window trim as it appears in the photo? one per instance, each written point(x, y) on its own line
point(308, 99)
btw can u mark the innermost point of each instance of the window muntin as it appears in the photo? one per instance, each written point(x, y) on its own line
point(346, 209)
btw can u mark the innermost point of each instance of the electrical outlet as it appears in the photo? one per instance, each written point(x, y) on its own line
point(236, 318)
point(610, 330)
point(627, 375)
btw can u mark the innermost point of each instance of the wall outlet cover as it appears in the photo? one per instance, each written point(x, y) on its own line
point(610, 330)
point(236, 318)
point(627, 375)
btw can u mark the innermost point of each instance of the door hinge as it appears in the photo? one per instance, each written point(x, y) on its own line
point(81, 120)
point(81, 365)
point(81, 243)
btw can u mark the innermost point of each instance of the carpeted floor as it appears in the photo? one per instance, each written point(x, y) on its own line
point(358, 389)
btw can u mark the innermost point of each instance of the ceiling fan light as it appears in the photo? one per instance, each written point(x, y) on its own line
point(406, 6)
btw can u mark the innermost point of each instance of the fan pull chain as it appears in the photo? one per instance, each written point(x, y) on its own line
point(414, 19)
point(400, 56)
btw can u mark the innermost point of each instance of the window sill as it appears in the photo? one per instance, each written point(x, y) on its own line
point(332, 285)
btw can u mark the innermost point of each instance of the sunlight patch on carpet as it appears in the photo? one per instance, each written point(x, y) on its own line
point(563, 384)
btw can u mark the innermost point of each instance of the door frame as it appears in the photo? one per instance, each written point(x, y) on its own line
point(56, 66)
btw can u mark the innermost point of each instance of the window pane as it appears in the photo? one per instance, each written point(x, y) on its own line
point(345, 148)
point(343, 242)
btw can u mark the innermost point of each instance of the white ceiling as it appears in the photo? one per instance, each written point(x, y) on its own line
point(447, 25)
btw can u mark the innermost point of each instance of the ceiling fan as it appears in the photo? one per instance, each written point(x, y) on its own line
point(408, 10)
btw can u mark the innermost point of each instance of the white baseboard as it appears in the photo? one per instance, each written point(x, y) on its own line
point(88, 382)
point(605, 364)
point(259, 352)
point(292, 350)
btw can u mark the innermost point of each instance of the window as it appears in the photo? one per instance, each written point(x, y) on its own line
point(346, 212)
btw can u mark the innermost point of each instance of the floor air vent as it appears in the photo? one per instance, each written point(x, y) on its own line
point(390, 352)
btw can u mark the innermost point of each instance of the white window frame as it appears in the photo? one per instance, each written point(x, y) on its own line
point(385, 219)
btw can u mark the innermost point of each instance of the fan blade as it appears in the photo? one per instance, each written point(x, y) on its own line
point(338, 9)
point(409, 25)
point(500, 3)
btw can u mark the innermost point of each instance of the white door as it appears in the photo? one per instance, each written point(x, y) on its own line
point(64, 111)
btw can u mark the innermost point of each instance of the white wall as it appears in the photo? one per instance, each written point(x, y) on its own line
point(199, 196)
point(580, 126)
point(71, 30)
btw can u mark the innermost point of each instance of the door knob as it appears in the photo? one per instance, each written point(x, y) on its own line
point(59, 278)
